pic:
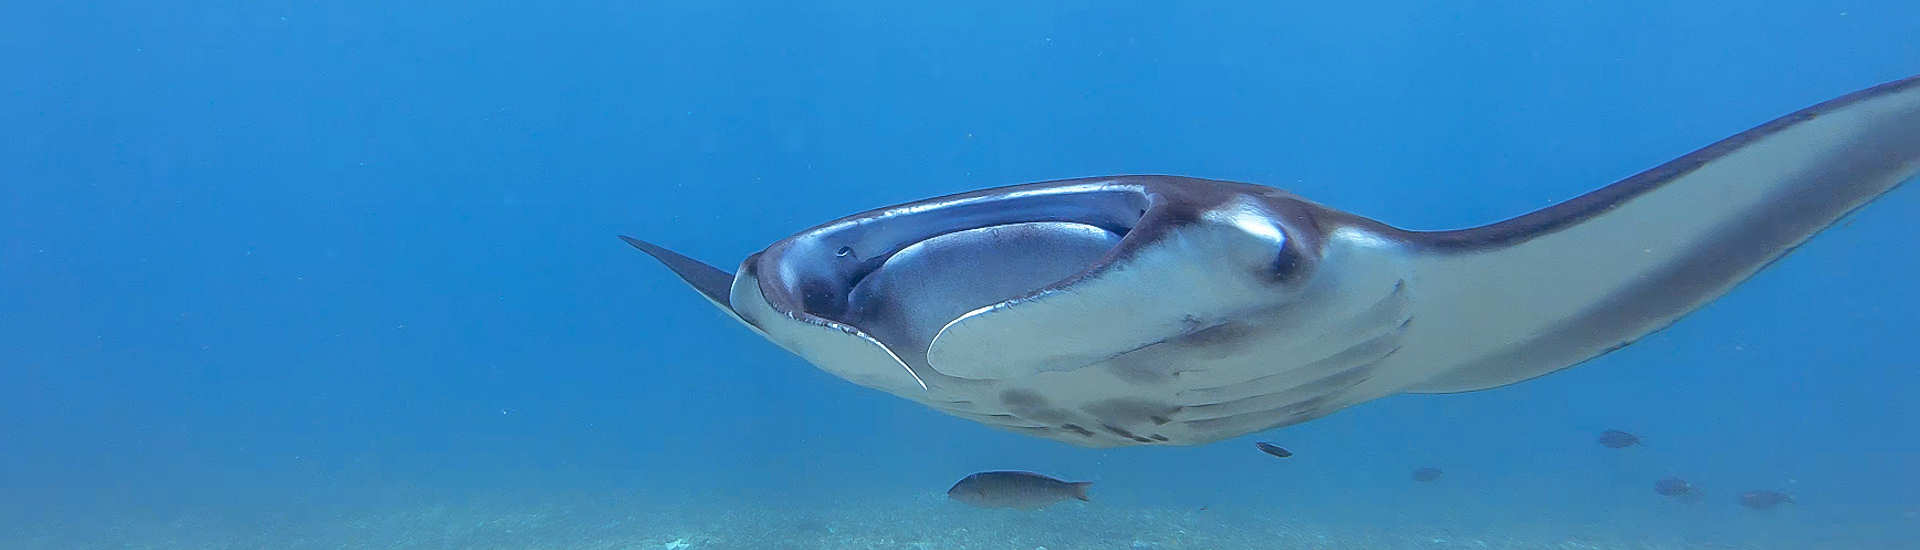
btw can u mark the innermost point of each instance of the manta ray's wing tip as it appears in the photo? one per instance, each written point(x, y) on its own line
point(637, 243)
point(669, 257)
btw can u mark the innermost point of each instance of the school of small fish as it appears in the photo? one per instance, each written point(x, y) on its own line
point(1032, 491)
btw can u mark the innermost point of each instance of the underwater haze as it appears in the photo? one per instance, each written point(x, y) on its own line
point(301, 275)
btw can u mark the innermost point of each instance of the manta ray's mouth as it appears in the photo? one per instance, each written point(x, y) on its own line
point(899, 276)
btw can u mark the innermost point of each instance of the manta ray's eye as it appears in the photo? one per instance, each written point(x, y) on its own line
point(844, 251)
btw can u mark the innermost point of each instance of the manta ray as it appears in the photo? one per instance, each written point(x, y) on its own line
point(1169, 310)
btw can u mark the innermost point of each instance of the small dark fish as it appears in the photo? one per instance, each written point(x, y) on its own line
point(1272, 449)
point(1015, 489)
point(1426, 474)
point(1673, 487)
point(1761, 500)
point(1616, 439)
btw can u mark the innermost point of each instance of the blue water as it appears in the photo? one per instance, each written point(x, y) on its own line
point(267, 265)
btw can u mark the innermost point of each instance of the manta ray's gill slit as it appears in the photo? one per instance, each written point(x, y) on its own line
point(1364, 338)
point(1123, 433)
point(1308, 392)
point(1362, 357)
point(1001, 419)
point(1303, 331)
point(1263, 420)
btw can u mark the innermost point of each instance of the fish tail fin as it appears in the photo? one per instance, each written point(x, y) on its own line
point(1080, 490)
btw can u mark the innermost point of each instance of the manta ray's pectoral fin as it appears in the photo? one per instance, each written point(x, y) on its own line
point(712, 282)
point(1565, 284)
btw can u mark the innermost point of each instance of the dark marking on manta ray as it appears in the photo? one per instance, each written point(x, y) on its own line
point(1075, 428)
point(1031, 406)
point(1139, 371)
point(1017, 398)
point(1047, 415)
point(1127, 410)
point(1157, 437)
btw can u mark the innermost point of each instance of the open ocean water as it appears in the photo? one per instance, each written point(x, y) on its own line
point(292, 275)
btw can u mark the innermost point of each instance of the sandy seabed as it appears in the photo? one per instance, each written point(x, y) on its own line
point(615, 521)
